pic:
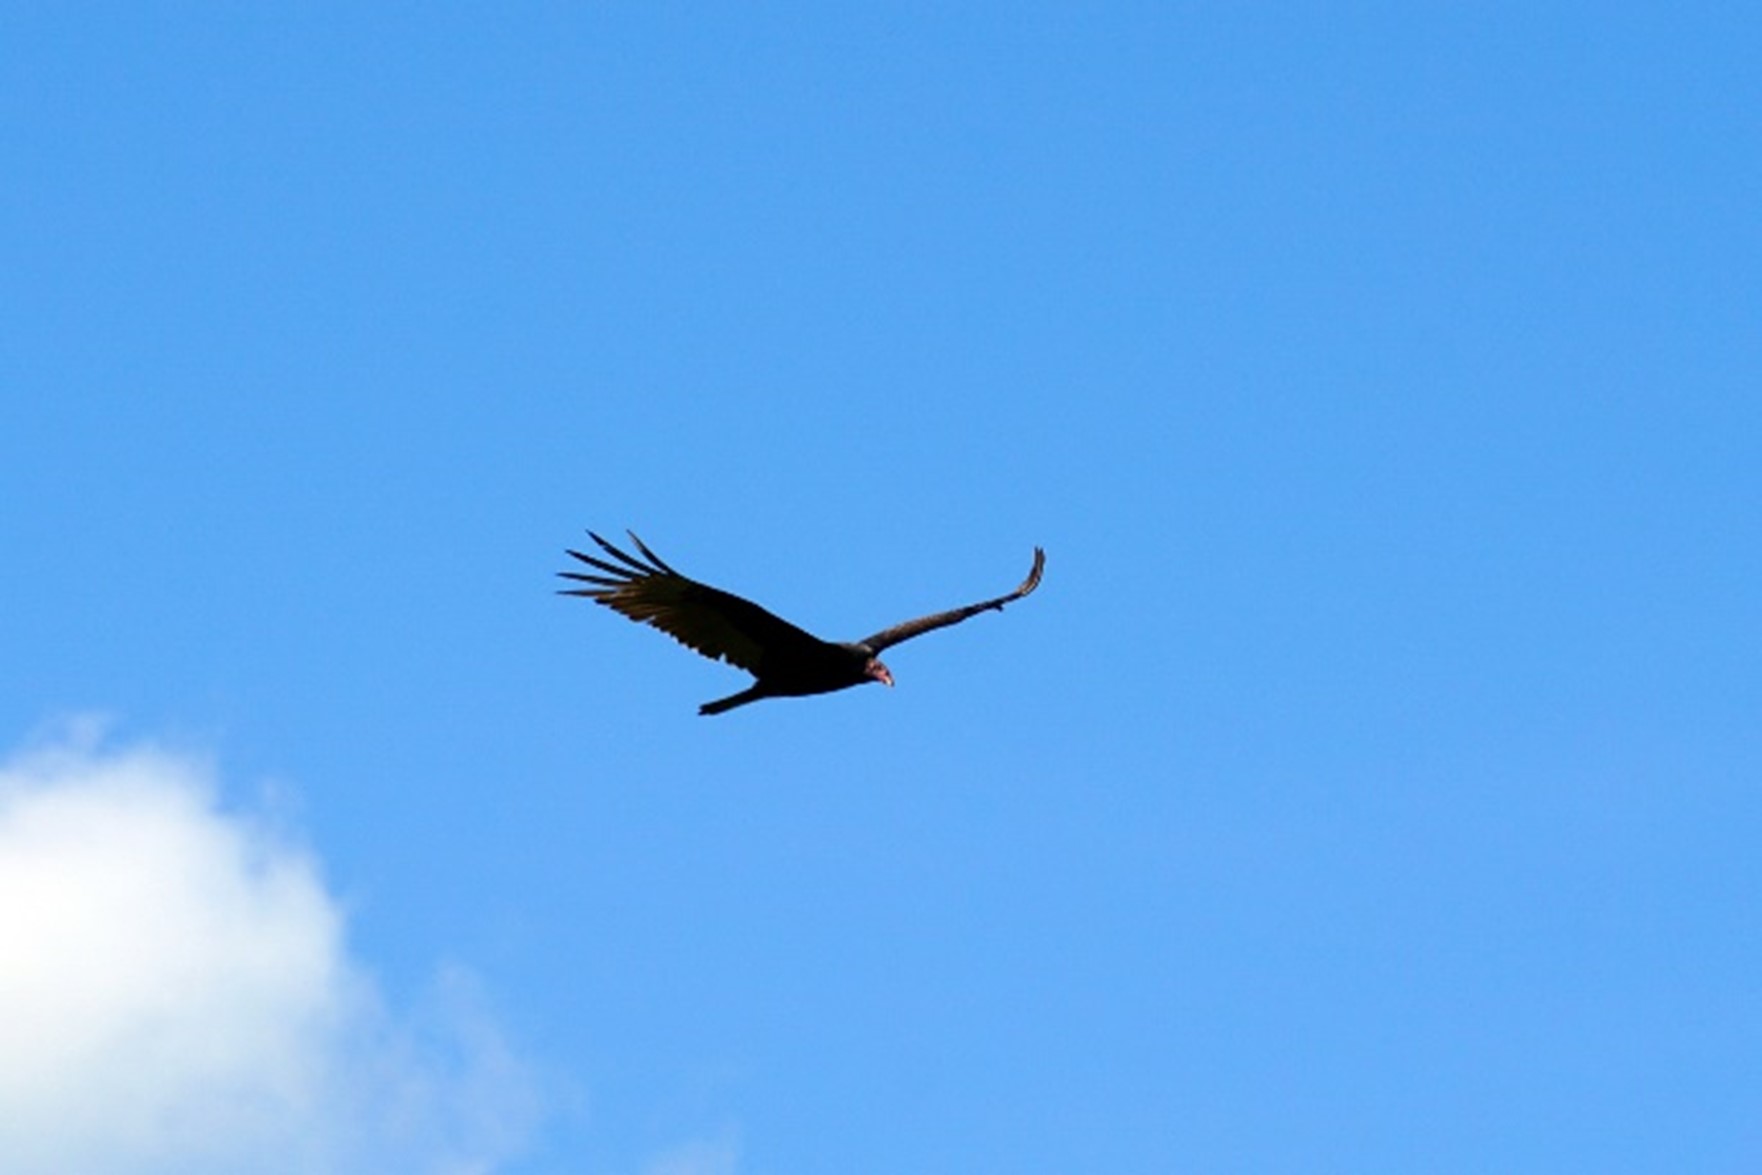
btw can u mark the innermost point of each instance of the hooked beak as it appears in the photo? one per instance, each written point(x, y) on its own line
point(881, 674)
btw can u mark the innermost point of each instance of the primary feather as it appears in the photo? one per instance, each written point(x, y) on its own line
point(924, 624)
point(715, 623)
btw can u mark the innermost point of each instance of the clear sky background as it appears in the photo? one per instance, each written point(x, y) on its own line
point(1374, 784)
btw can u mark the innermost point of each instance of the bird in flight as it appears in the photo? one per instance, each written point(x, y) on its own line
point(785, 661)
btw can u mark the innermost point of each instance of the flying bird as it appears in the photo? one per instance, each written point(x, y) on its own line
point(785, 661)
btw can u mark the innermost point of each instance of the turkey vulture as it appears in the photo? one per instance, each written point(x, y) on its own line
point(786, 661)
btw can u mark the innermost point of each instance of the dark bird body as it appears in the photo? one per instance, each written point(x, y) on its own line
point(785, 661)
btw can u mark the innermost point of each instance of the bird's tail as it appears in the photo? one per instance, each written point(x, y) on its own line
point(750, 694)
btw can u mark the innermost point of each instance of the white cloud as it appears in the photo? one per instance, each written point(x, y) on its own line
point(176, 994)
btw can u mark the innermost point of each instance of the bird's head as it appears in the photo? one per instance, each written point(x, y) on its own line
point(878, 671)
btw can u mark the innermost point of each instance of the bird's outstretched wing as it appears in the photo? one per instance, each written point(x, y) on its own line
point(924, 624)
point(718, 624)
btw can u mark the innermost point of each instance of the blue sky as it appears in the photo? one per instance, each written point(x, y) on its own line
point(1371, 786)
